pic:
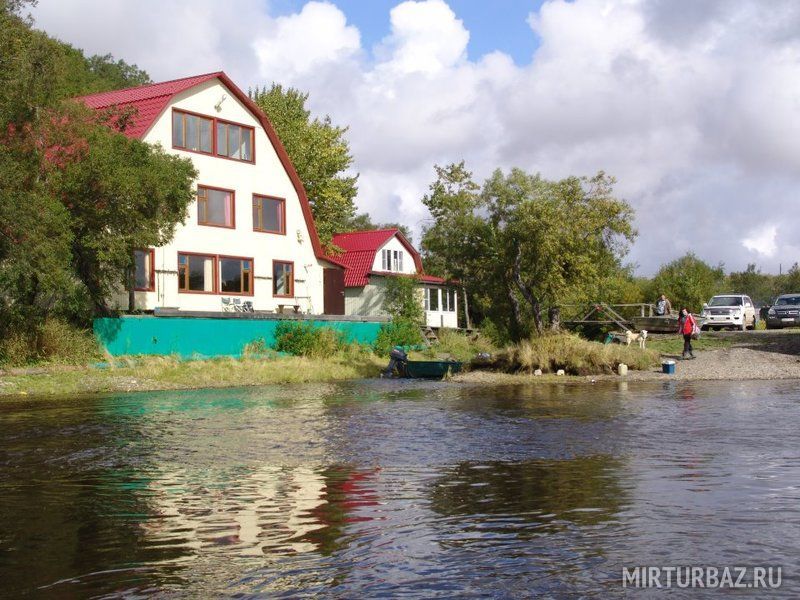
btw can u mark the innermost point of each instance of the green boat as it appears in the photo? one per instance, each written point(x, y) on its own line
point(431, 369)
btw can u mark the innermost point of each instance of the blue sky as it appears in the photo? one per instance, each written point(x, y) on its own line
point(493, 24)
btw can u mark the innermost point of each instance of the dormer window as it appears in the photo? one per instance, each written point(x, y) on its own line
point(392, 260)
point(209, 135)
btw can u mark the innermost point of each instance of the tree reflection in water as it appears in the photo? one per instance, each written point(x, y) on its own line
point(547, 494)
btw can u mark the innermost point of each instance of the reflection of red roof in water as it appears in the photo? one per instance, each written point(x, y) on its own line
point(360, 248)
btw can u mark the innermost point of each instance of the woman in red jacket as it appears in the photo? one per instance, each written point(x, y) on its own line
point(686, 326)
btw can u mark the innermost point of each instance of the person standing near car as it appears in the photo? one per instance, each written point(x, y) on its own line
point(663, 306)
point(687, 327)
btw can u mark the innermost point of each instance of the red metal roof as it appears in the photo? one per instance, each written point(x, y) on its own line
point(151, 100)
point(360, 248)
point(148, 100)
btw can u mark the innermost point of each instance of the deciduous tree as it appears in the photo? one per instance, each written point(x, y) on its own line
point(319, 152)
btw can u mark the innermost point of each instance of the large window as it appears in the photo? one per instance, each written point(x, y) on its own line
point(236, 275)
point(282, 279)
point(432, 299)
point(192, 132)
point(215, 207)
point(234, 141)
point(448, 300)
point(144, 273)
point(392, 260)
point(269, 214)
point(196, 273)
point(210, 135)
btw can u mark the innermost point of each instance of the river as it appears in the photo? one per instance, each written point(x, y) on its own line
point(397, 489)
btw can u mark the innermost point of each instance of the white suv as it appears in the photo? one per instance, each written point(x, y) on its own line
point(729, 310)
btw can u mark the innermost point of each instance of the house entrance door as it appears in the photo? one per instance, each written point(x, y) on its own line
point(333, 281)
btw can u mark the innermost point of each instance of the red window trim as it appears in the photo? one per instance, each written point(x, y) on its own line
point(213, 257)
point(283, 214)
point(233, 206)
point(152, 286)
point(252, 275)
point(214, 121)
point(274, 283)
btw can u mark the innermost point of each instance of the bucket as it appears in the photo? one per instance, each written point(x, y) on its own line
point(668, 367)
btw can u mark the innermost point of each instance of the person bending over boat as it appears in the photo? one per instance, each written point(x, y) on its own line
point(663, 306)
point(687, 327)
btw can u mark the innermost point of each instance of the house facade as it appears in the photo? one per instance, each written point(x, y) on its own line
point(249, 238)
point(371, 257)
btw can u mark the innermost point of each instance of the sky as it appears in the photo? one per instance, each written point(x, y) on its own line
point(692, 105)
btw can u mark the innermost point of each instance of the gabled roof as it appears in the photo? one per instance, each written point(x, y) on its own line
point(360, 248)
point(150, 101)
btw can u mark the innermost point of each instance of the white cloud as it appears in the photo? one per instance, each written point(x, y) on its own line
point(693, 106)
point(762, 240)
point(297, 44)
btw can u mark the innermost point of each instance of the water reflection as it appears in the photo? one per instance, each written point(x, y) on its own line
point(394, 488)
point(583, 491)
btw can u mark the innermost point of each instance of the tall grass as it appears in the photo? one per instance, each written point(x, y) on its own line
point(55, 342)
point(459, 346)
point(577, 356)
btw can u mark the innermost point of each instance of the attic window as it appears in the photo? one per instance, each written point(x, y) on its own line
point(192, 132)
point(392, 260)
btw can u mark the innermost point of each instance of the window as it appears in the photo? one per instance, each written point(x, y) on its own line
point(196, 273)
point(236, 275)
point(392, 260)
point(451, 300)
point(215, 207)
point(209, 135)
point(192, 132)
point(282, 279)
point(144, 274)
point(269, 214)
point(431, 299)
point(234, 141)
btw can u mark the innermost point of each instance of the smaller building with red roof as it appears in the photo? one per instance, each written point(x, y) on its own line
point(370, 257)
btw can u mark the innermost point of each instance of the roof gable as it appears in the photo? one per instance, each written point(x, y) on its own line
point(360, 248)
point(151, 100)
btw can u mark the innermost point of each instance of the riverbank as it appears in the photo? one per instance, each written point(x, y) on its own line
point(755, 355)
point(167, 373)
point(734, 356)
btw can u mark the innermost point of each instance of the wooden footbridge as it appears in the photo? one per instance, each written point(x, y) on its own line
point(600, 313)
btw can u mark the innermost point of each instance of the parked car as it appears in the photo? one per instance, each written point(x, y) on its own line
point(785, 312)
point(732, 311)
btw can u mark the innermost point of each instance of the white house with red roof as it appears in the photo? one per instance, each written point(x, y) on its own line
point(249, 239)
point(372, 256)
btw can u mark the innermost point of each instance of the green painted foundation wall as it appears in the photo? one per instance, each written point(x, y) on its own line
point(205, 337)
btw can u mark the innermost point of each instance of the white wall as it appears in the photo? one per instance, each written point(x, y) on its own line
point(394, 244)
point(267, 176)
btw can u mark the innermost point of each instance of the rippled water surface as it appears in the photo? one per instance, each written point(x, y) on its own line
point(396, 489)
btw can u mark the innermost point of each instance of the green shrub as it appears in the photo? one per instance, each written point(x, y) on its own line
point(304, 339)
point(459, 346)
point(399, 332)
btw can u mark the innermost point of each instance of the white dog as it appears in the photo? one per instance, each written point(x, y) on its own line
point(641, 337)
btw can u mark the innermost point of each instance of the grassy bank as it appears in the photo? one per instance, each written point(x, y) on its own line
point(167, 373)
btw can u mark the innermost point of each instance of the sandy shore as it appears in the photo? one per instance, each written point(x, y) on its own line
point(752, 355)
